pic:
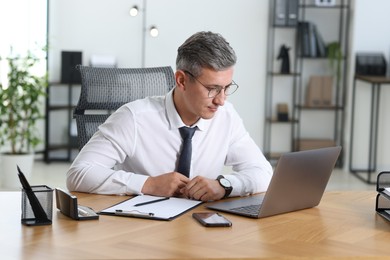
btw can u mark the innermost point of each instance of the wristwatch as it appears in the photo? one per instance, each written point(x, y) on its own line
point(225, 183)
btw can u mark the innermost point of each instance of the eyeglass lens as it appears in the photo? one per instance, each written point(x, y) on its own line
point(215, 90)
point(228, 90)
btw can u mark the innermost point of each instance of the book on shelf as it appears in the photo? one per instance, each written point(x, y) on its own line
point(321, 46)
point(310, 40)
point(303, 38)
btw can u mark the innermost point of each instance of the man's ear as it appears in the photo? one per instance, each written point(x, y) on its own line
point(180, 79)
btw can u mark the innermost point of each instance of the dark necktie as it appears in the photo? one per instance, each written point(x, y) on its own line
point(184, 164)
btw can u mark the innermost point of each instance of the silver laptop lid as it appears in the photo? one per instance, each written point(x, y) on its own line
point(299, 180)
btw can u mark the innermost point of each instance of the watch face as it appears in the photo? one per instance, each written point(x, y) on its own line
point(225, 182)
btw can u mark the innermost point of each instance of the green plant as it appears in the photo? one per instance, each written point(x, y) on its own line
point(335, 55)
point(21, 104)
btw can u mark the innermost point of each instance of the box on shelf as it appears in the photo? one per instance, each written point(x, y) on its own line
point(282, 110)
point(319, 91)
point(325, 2)
point(370, 64)
point(69, 61)
point(309, 144)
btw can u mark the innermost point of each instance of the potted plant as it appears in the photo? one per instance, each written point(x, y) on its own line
point(20, 107)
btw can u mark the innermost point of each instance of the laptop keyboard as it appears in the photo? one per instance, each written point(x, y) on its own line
point(250, 209)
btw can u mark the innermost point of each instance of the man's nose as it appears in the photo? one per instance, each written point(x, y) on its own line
point(220, 98)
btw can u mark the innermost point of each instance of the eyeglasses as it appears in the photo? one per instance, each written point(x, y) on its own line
point(215, 90)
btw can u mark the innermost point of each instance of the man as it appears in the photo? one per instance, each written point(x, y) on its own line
point(136, 151)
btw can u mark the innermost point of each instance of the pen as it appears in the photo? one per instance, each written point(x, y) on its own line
point(150, 202)
point(131, 213)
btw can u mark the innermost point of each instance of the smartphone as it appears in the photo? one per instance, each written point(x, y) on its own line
point(211, 219)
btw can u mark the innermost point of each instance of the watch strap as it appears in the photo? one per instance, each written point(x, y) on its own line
point(228, 190)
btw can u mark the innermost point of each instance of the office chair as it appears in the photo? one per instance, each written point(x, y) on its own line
point(103, 90)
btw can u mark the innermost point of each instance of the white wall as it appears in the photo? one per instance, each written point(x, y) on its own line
point(370, 33)
point(100, 27)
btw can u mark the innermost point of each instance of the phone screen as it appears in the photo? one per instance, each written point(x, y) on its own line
point(210, 219)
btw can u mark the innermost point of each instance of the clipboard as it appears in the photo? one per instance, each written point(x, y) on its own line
point(152, 207)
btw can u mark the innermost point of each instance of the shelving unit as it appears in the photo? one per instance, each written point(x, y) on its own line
point(60, 144)
point(308, 126)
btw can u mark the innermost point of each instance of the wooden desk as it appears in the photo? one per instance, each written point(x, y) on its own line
point(343, 225)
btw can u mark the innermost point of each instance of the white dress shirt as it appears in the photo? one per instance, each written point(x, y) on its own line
point(142, 139)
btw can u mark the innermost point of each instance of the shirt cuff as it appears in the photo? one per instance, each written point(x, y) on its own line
point(136, 183)
point(236, 184)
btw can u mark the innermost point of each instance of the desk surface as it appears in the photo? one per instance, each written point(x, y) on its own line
point(343, 225)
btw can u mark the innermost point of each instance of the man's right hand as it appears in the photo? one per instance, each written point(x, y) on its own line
point(166, 185)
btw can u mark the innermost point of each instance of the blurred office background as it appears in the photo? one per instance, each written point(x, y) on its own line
point(107, 30)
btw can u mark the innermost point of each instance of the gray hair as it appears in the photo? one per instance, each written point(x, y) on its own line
point(205, 50)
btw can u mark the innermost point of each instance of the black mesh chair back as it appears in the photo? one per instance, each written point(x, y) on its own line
point(103, 90)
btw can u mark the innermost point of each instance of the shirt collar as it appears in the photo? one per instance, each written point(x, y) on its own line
point(174, 118)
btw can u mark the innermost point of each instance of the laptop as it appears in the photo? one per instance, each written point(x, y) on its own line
point(298, 182)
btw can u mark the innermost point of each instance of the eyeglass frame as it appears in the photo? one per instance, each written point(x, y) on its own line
point(215, 87)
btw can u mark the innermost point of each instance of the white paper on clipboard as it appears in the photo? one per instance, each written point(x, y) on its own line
point(163, 210)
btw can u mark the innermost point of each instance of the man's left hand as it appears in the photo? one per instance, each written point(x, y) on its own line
point(204, 189)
